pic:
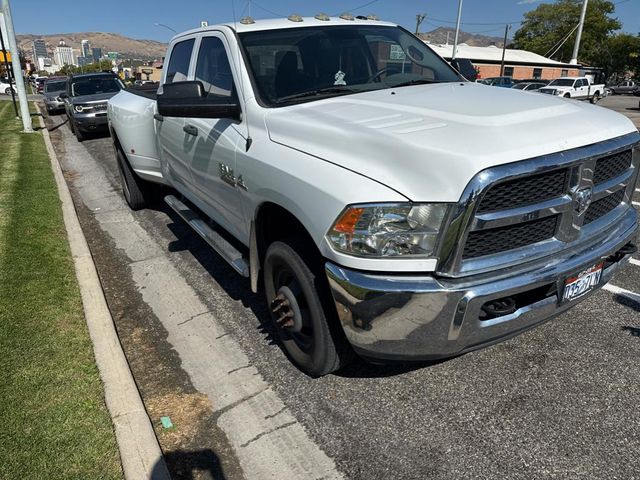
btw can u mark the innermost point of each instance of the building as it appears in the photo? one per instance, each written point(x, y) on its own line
point(39, 50)
point(151, 72)
point(85, 49)
point(96, 53)
point(63, 55)
point(519, 64)
point(82, 61)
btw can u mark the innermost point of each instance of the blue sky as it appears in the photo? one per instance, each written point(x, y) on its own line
point(136, 18)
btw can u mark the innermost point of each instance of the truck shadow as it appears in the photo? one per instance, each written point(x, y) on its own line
point(238, 288)
point(189, 465)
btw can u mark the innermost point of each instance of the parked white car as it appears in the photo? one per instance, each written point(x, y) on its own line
point(6, 87)
point(579, 88)
point(385, 205)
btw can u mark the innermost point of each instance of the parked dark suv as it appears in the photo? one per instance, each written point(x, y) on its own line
point(85, 101)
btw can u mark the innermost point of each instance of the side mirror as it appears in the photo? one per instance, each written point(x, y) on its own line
point(189, 100)
point(63, 96)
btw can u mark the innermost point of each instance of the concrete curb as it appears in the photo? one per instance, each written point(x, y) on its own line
point(139, 450)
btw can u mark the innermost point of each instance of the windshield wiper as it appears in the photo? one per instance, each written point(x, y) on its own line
point(317, 92)
point(421, 81)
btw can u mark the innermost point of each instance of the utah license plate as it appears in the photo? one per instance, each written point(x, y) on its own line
point(583, 283)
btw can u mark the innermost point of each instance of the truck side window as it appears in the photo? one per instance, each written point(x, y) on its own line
point(213, 68)
point(179, 62)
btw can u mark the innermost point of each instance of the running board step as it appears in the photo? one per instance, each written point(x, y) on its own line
point(227, 251)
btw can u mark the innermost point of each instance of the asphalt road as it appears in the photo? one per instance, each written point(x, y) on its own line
point(560, 401)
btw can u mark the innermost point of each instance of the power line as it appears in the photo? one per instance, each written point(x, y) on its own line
point(267, 10)
point(362, 6)
point(475, 23)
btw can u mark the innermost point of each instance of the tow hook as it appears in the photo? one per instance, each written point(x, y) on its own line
point(628, 249)
point(500, 307)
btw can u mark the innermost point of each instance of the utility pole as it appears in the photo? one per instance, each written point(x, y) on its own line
point(455, 38)
point(17, 68)
point(504, 48)
point(419, 19)
point(576, 47)
point(6, 65)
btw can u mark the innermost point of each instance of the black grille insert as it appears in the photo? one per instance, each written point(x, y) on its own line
point(524, 191)
point(611, 166)
point(603, 206)
point(496, 240)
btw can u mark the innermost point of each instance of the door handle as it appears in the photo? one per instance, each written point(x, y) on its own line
point(190, 130)
point(158, 117)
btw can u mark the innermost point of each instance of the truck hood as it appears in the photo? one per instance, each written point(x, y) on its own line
point(428, 141)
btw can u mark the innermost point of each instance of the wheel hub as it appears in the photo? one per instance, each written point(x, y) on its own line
point(285, 308)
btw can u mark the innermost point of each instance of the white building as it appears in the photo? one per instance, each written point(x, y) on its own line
point(63, 55)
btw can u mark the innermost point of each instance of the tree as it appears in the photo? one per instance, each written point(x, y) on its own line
point(620, 56)
point(544, 28)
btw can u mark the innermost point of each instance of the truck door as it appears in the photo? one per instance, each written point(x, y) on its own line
point(583, 89)
point(173, 142)
point(213, 152)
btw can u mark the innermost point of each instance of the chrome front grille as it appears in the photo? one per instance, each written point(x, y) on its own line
point(524, 191)
point(611, 166)
point(488, 242)
point(526, 210)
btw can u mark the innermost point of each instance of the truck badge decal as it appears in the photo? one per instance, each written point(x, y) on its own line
point(582, 200)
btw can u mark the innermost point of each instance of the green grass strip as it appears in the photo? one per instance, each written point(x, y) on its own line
point(53, 419)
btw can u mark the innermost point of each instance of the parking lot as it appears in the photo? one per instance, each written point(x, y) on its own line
point(560, 401)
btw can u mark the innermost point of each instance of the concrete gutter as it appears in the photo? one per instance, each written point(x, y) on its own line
point(139, 450)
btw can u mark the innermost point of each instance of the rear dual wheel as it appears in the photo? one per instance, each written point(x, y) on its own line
point(302, 310)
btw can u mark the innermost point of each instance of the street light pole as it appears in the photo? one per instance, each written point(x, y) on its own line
point(419, 19)
point(165, 26)
point(17, 68)
point(576, 47)
point(504, 48)
point(455, 38)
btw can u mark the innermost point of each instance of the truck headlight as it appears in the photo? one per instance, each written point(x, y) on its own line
point(78, 108)
point(388, 230)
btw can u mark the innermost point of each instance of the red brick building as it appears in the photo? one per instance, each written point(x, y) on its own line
point(518, 64)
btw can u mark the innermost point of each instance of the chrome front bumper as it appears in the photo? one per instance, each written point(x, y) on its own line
point(423, 317)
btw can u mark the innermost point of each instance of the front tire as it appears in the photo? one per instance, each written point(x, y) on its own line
point(302, 311)
point(7, 91)
point(79, 135)
point(134, 190)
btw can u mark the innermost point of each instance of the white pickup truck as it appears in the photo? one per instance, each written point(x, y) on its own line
point(384, 204)
point(579, 88)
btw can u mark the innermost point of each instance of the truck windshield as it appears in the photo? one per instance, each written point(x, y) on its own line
point(55, 86)
point(301, 64)
point(562, 82)
point(95, 85)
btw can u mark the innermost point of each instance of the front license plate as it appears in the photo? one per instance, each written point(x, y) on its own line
point(583, 283)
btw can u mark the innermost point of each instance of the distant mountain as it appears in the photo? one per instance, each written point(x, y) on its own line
point(439, 36)
point(108, 42)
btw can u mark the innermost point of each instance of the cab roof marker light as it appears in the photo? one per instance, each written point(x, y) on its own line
point(322, 17)
point(247, 21)
point(294, 18)
point(347, 16)
point(375, 18)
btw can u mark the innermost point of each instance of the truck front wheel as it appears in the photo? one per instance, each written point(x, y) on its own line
point(133, 188)
point(300, 307)
point(567, 95)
